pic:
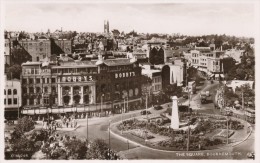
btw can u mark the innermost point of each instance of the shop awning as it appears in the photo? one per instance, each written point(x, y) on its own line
point(211, 75)
point(216, 75)
point(221, 75)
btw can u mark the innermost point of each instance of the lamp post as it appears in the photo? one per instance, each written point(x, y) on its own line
point(109, 134)
point(122, 116)
point(146, 111)
point(101, 105)
point(87, 125)
point(188, 139)
point(227, 128)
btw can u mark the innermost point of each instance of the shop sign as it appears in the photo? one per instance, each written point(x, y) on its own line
point(76, 78)
point(124, 74)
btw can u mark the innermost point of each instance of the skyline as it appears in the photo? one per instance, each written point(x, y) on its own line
point(201, 19)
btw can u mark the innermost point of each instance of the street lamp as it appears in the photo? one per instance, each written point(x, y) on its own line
point(109, 134)
point(122, 116)
point(87, 123)
point(188, 139)
point(101, 105)
point(227, 128)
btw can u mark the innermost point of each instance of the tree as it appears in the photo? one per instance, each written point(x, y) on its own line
point(98, 150)
point(14, 71)
point(24, 124)
point(76, 149)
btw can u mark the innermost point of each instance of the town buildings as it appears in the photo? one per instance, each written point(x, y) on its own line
point(206, 61)
point(96, 85)
point(156, 78)
point(12, 98)
point(38, 49)
point(7, 51)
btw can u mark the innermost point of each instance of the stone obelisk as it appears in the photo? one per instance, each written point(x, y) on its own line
point(175, 113)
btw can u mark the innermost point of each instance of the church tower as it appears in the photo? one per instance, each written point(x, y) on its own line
point(106, 26)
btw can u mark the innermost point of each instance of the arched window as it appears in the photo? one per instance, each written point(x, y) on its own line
point(15, 91)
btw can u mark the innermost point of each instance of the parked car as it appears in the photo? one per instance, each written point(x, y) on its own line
point(144, 112)
point(158, 107)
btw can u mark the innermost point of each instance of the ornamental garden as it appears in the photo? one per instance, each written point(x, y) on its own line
point(202, 132)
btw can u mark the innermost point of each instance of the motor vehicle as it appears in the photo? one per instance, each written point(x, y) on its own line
point(251, 155)
point(144, 112)
point(158, 107)
point(185, 96)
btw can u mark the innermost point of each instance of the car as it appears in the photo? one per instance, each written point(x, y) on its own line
point(158, 107)
point(144, 112)
point(251, 155)
point(185, 96)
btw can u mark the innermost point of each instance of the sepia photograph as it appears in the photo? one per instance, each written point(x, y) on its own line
point(111, 80)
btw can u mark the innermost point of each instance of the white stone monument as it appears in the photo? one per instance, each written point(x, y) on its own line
point(175, 113)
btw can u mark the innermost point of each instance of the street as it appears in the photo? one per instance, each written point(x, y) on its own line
point(98, 128)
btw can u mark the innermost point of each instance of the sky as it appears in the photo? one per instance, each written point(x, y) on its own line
point(184, 18)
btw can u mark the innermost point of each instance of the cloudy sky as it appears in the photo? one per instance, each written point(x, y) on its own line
point(192, 19)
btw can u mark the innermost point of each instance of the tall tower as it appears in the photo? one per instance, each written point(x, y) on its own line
point(106, 26)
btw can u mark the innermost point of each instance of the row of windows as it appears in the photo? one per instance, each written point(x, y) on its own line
point(9, 92)
point(38, 80)
point(195, 61)
point(195, 55)
point(156, 80)
point(11, 101)
point(38, 90)
point(157, 87)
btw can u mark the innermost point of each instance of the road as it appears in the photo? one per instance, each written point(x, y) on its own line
point(98, 128)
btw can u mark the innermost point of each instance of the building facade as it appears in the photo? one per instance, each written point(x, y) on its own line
point(38, 49)
point(94, 86)
point(12, 98)
point(7, 51)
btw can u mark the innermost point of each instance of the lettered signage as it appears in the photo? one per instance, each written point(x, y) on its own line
point(124, 74)
point(76, 78)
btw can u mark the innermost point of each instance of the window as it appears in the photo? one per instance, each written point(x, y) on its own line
point(5, 101)
point(53, 80)
point(37, 59)
point(53, 89)
point(31, 90)
point(15, 91)
point(38, 80)
point(38, 90)
point(5, 92)
point(15, 100)
point(45, 89)
point(30, 81)
point(9, 101)
point(9, 92)
point(46, 100)
point(24, 81)
point(24, 90)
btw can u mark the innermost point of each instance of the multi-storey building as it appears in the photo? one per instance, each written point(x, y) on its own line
point(7, 51)
point(38, 49)
point(155, 76)
point(61, 46)
point(206, 61)
point(96, 85)
point(12, 98)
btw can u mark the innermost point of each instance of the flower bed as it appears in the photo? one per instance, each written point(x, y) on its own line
point(141, 134)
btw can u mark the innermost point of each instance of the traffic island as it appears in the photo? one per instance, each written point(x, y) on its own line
point(209, 133)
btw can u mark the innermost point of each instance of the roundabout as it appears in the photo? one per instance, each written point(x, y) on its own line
point(163, 138)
